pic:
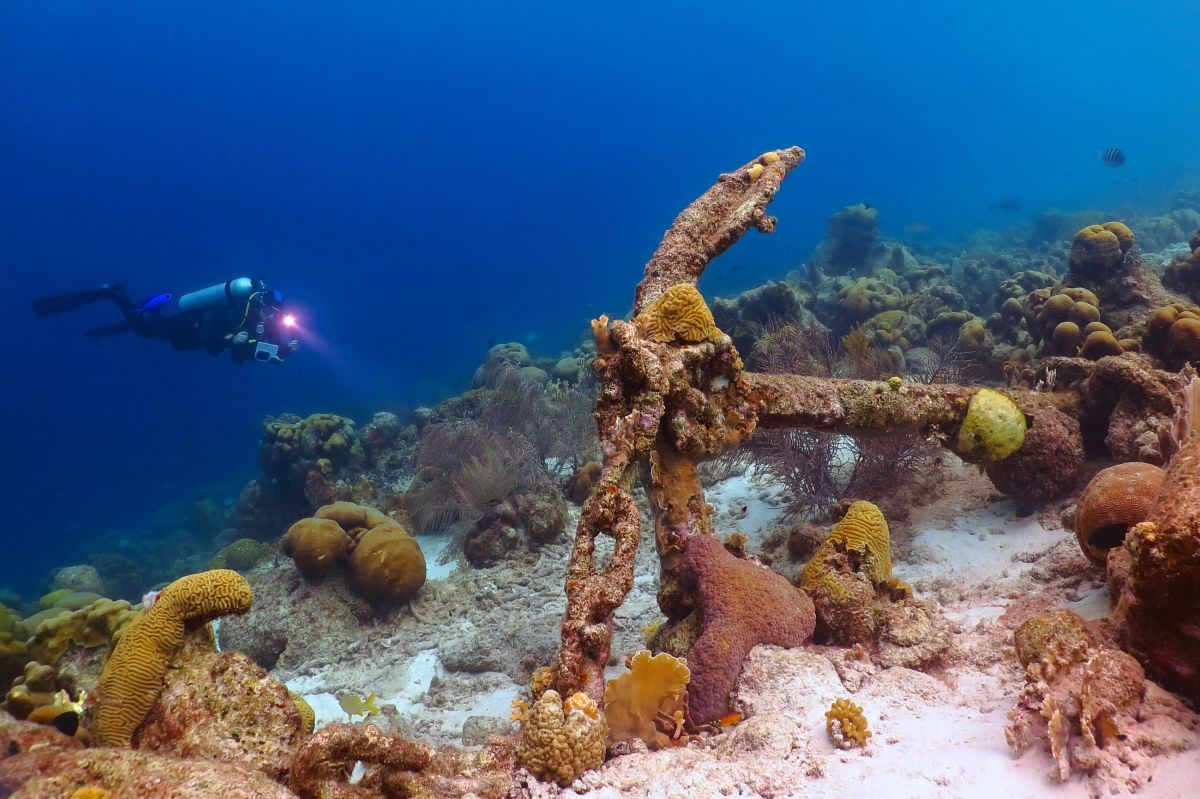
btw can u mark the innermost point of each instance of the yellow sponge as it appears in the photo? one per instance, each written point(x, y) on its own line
point(993, 429)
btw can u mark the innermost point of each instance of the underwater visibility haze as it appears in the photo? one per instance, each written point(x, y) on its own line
point(341, 261)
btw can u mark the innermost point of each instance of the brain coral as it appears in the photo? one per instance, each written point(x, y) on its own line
point(741, 605)
point(679, 314)
point(133, 675)
point(652, 686)
point(1113, 501)
point(561, 741)
point(849, 577)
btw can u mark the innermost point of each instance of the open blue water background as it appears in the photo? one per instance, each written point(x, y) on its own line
point(426, 179)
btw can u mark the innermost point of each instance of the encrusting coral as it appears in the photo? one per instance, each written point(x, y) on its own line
point(846, 724)
point(739, 605)
point(1113, 501)
point(647, 697)
point(133, 675)
point(1155, 580)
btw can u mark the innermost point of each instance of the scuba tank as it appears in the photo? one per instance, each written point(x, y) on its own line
point(231, 293)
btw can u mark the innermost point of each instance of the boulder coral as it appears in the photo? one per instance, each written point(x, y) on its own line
point(1098, 251)
point(993, 429)
point(133, 675)
point(381, 559)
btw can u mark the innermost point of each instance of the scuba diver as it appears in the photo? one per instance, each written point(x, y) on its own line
point(242, 315)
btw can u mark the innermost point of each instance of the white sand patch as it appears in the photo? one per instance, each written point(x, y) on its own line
point(747, 504)
point(980, 545)
point(432, 546)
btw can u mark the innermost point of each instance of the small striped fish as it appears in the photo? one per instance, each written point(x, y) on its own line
point(1113, 156)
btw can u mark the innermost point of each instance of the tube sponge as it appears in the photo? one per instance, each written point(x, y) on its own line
point(133, 676)
point(993, 429)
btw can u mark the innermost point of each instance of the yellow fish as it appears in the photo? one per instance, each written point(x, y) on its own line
point(355, 705)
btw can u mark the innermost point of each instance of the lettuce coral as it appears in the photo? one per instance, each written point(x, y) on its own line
point(133, 675)
point(651, 689)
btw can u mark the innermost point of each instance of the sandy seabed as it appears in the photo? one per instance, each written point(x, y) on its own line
point(448, 666)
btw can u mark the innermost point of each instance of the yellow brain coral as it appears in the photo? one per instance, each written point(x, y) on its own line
point(133, 676)
point(560, 741)
point(308, 716)
point(846, 724)
point(679, 314)
point(993, 429)
point(652, 688)
point(864, 529)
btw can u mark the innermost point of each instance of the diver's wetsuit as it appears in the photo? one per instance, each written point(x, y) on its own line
point(240, 315)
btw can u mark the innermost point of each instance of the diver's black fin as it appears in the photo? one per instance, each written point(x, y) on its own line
point(69, 301)
point(104, 331)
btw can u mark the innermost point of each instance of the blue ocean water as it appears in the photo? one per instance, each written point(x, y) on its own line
point(424, 180)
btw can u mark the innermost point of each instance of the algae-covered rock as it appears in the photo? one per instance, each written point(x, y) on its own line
point(220, 706)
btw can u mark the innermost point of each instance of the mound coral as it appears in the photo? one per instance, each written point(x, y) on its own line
point(679, 314)
point(316, 546)
point(846, 724)
point(1113, 501)
point(561, 740)
point(1183, 273)
point(1172, 333)
point(993, 429)
point(384, 562)
point(387, 565)
point(241, 555)
point(302, 456)
point(646, 700)
point(1097, 252)
point(869, 296)
point(1048, 462)
point(133, 675)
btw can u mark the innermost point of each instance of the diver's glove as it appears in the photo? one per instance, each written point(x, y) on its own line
point(241, 338)
point(294, 345)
